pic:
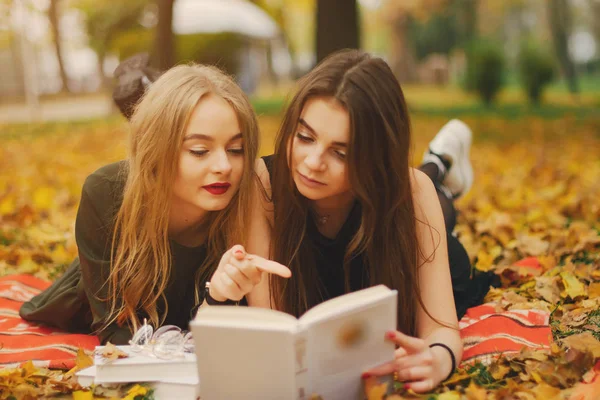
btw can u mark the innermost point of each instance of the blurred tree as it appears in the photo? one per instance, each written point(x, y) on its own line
point(5, 9)
point(164, 49)
point(485, 69)
point(337, 26)
point(402, 51)
point(536, 69)
point(595, 7)
point(54, 17)
point(467, 10)
point(105, 20)
point(560, 25)
point(439, 34)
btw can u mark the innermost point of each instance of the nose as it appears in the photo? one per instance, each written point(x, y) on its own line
point(221, 164)
point(314, 160)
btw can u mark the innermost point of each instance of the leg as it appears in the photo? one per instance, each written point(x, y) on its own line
point(469, 288)
point(447, 203)
point(449, 151)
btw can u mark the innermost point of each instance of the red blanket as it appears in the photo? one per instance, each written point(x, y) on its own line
point(485, 333)
point(22, 341)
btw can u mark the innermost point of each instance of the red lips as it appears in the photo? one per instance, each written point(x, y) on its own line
point(217, 188)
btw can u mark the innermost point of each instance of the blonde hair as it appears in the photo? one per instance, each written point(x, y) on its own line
point(140, 253)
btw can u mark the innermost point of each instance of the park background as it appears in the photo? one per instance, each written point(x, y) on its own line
point(523, 74)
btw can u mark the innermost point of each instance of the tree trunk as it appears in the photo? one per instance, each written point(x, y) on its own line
point(164, 51)
point(560, 25)
point(53, 16)
point(337, 26)
point(402, 55)
point(468, 20)
point(595, 7)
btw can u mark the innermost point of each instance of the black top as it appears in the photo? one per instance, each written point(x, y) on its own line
point(468, 290)
point(73, 302)
point(329, 253)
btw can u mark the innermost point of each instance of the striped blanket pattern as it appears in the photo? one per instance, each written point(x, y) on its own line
point(485, 332)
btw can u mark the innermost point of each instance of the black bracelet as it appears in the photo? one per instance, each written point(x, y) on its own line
point(212, 302)
point(451, 357)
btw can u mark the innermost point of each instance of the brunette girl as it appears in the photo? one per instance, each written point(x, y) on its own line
point(346, 211)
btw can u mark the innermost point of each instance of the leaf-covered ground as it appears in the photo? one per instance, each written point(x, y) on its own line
point(536, 193)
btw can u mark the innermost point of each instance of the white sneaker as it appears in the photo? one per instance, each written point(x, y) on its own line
point(453, 143)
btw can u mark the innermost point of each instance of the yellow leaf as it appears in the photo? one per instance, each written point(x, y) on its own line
point(374, 389)
point(135, 391)
point(573, 287)
point(485, 260)
point(28, 266)
point(536, 377)
point(7, 206)
point(475, 392)
point(28, 369)
point(112, 352)
point(544, 391)
point(83, 395)
point(594, 290)
point(457, 377)
point(532, 246)
point(43, 197)
point(449, 396)
point(499, 371)
point(585, 342)
point(82, 362)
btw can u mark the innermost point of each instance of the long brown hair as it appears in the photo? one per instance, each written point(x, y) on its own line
point(378, 167)
point(141, 255)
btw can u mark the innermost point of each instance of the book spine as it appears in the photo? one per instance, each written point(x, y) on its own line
point(301, 365)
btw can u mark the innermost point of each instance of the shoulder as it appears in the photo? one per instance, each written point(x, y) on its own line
point(423, 192)
point(106, 178)
point(263, 172)
point(262, 193)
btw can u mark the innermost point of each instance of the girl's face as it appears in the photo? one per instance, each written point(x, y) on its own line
point(211, 162)
point(318, 150)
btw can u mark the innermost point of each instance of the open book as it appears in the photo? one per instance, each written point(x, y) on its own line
point(245, 352)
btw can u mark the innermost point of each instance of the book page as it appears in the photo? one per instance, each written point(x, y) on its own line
point(246, 317)
point(341, 347)
point(243, 360)
point(344, 303)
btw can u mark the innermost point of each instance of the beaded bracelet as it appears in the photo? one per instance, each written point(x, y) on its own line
point(451, 357)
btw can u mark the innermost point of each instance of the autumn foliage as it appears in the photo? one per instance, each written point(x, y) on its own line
point(536, 194)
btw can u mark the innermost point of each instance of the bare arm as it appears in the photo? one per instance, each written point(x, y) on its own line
point(434, 277)
point(259, 237)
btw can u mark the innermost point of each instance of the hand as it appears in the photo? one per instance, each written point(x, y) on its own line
point(414, 362)
point(238, 273)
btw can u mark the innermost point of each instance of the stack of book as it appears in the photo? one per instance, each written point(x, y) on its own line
point(175, 378)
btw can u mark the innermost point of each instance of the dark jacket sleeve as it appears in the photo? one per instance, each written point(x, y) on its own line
point(93, 233)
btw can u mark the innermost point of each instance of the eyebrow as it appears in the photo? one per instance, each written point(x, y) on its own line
point(311, 129)
point(209, 138)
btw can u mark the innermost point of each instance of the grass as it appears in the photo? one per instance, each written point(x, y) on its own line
point(452, 101)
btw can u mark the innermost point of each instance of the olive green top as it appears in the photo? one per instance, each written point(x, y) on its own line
point(75, 301)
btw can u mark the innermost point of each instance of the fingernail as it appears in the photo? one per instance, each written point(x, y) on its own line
point(406, 386)
point(390, 335)
point(365, 375)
